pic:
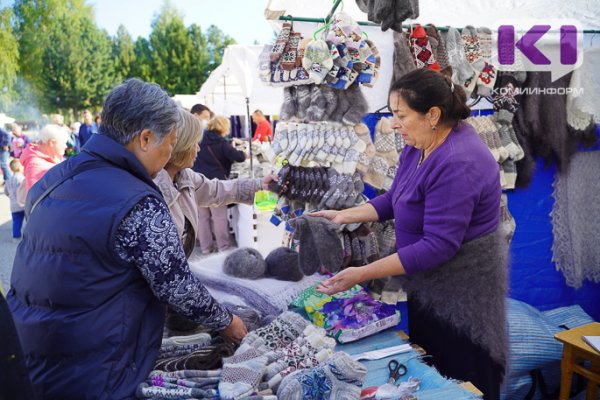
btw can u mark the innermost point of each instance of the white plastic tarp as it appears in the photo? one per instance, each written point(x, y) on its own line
point(235, 80)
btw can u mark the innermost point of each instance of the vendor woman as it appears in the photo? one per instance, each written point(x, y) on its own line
point(451, 256)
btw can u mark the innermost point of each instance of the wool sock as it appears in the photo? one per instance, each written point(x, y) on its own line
point(281, 42)
point(339, 146)
point(403, 61)
point(145, 391)
point(318, 104)
point(280, 139)
point(356, 148)
point(364, 158)
point(358, 105)
point(294, 157)
point(331, 101)
point(307, 259)
point(341, 191)
point(372, 67)
point(277, 334)
point(441, 54)
point(289, 108)
point(318, 142)
point(421, 48)
point(461, 69)
point(181, 345)
point(242, 372)
point(292, 140)
point(321, 241)
point(386, 155)
point(303, 100)
point(339, 378)
point(311, 142)
point(208, 357)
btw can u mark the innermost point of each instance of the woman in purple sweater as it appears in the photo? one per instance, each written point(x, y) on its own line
point(451, 257)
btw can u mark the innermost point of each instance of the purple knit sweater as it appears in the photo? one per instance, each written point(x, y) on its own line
point(452, 198)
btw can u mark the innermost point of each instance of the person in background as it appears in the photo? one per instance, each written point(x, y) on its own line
point(451, 255)
point(73, 144)
point(87, 129)
point(10, 189)
point(186, 191)
point(214, 162)
point(202, 113)
point(4, 153)
point(38, 158)
point(263, 132)
point(97, 119)
point(19, 140)
point(102, 257)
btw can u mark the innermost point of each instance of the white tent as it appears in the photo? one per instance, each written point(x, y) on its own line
point(4, 120)
point(235, 81)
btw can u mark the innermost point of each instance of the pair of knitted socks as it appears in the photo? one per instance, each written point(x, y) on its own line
point(319, 244)
point(344, 191)
point(478, 50)
point(308, 185)
point(385, 156)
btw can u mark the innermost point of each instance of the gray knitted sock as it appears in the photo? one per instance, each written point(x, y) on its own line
point(340, 194)
point(341, 376)
point(289, 108)
point(277, 334)
point(332, 185)
point(461, 69)
point(403, 61)
point(331, 101)
point(327, 242)
point(242, 372)
point(303, 99)
point(343, 105)
point(358, 105)
point(318, 104)
point(280, 138)
point(311, 142)
point(295, 157)
point(292, 140)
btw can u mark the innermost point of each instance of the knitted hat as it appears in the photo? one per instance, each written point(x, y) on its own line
point(282, 264)
point(245, 263)
point(317, 60)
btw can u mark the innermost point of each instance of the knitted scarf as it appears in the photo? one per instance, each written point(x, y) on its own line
point(468, 292)
point(576, 220)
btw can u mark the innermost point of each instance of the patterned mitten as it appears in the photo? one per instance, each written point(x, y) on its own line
point(281, 42)
point(339, 378)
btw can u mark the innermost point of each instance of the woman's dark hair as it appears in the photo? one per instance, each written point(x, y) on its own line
point(424, 88)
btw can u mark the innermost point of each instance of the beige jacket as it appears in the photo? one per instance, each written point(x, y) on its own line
point(191, 190)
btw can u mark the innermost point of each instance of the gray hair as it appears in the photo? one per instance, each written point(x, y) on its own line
point(136, 105)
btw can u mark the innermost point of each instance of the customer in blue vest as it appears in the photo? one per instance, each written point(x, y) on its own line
point(88, 294)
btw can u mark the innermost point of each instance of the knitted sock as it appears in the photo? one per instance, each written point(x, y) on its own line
point(309, 263)
point(372, 69)
point(472, 46)
point(264, 64)
point(322, 184)
point(302, 135)
point(356, 148)
point(341, 191)
point(292, 140)
point(326, 240)
point(289, 108)
point(421, 48)
point(318, 143)
point(386, 155)
point(280, 140)
point(303, 98)
point(318, 104)
point(339, 149)
point(311, 142)
point(181, 345)
point(208, 357)
point(441, 55)
point(330, 144)
point(331, 101)
point(332, 185)
point(145, 391)
point(491, 127)
point(364, 158)
point(343, 105)
point(358, 105)
point(390, 175)
point(356, 190)
point(242, 372)
point(278, 334)
point(281, 42)
point(403, 61)
point(340, 378)
point(461, 69)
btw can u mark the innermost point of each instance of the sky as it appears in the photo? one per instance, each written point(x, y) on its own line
point(241, 19)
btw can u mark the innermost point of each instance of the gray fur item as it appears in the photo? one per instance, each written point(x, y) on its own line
point(246, 263)
point(282, 264)
point(289, 108)
point(358, 106)
point(469, 292)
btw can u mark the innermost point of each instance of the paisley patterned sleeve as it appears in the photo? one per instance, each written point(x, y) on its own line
point(147, 237)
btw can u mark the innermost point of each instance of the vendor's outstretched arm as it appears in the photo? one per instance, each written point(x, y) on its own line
point(362, 213)
point(344, 280)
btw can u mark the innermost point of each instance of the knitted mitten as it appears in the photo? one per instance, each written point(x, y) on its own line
point(339, 378)
point(289, 107)
point(290, 53)
point(242, 372)
point(364, 158)
point(278, 334)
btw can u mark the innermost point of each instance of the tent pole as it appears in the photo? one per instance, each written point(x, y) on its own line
point(249, 132)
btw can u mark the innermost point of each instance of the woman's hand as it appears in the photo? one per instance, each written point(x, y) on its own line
point(333, 215)
point(236, 330)
point(344, 280)
point(264, 183)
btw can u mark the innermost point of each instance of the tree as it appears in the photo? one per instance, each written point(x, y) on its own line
point(10, 56)
point(217, 42)
point(123, 54)
point(143, 60)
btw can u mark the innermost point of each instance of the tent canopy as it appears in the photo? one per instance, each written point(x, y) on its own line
point(235, 80)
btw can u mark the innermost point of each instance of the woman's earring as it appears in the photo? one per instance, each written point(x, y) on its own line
point(433, 128)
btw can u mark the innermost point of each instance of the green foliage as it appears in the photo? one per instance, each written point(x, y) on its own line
point(66, 63)
point(10, 56)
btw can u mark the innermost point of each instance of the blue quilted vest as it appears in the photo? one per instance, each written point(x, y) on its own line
point(89, 325)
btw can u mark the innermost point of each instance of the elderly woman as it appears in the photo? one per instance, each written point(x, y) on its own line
point(445, 200)
point(214, 161)
point(38, 158)
point(87, 293)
